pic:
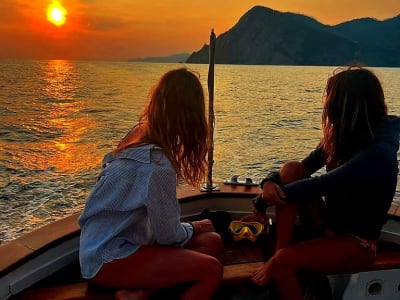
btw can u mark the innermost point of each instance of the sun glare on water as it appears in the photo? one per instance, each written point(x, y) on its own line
point(56, 13)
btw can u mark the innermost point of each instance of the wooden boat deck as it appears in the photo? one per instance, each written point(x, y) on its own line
point(394, 211)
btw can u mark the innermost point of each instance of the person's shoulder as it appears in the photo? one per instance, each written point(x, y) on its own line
point(389, 131)
point(390, 124)
point(143, 153)
point(393, 118)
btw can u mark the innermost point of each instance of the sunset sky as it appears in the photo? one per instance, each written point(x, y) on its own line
point(122, 29)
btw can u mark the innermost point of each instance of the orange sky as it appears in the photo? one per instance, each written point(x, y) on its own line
point(121, 29)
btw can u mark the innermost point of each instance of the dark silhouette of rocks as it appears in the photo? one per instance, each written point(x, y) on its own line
point(174, 58)
point(264, 36)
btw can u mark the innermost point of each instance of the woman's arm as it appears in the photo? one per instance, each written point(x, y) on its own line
point(163, 208)
point(371, 164)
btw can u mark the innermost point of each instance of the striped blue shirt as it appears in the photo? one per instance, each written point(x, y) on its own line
point(133, 203)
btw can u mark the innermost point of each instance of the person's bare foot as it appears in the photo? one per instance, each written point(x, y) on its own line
point(132, 295)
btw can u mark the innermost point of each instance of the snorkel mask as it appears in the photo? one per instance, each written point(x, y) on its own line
point(246, 230)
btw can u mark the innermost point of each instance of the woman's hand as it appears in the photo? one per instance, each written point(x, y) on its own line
point(260, 217)
point(202, 226)
point(273, 194)
point(255, 217)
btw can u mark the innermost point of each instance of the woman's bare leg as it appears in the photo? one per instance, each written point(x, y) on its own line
point(209, 243)
point(157, 267)
point(133, 294)
point(287, 214)
point(324, 255)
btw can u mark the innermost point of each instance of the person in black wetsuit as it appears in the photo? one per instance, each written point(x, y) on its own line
point(347, 205)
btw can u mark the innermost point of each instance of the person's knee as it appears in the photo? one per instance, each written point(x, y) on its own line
point(212, 243)
point(216, 243)
point(219, 268)
point(213, 268)
point(292, 171)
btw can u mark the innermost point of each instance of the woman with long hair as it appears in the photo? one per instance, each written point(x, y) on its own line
point(347, 205)
point(132, 238)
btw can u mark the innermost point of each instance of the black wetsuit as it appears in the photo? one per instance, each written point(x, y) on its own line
point(358, 193)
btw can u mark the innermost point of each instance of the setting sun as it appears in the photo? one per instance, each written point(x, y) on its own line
point(56, 13)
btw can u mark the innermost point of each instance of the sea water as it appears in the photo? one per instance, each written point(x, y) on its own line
point(58, 119)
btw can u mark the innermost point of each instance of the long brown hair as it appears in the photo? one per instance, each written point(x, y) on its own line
point(354, 107)
point(175, 120)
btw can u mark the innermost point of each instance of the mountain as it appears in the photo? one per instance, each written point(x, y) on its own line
point(175, 58)
point(264, 36)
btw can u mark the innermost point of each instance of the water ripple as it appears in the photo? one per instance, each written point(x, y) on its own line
point(60, 117)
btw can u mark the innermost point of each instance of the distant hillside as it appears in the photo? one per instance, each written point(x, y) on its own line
point(175, 58)
point(264, 36)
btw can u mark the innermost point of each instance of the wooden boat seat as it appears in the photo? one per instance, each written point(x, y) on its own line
point(234, 274)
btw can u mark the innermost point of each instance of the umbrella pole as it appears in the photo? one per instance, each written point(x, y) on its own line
point(210, 186)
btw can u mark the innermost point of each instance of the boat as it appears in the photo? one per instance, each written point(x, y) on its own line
point(44, 264)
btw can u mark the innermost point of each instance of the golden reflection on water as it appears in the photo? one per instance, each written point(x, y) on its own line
point(60, 115)
point(59, 75)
